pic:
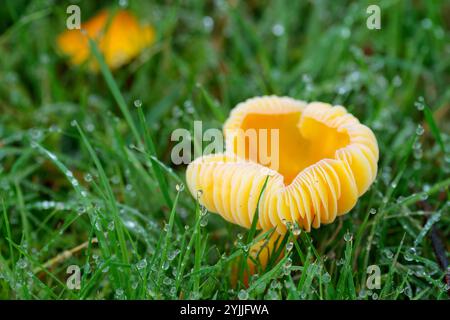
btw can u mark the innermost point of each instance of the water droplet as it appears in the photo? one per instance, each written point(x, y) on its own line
point(426, 23)
point(179, 187)
point(111, 226)
point(167, 281)
point(326, 278)
point(165, 265)
point(408, 292)
point(420, 130)
point(141, 264)
point(123, 3)
point(410, 253)
point(204, 221)
point(374, 296)
point(296, 230)
point(173, 254)
point(81, 209)
point(345, 33)
point(21, 264)
point(130, 224)
point(419, 104)
point(115, 180)
point(348, 236)
point(88, 177)
point(203, 211)
point(119, 294)
point(208, 23)
point(35, 134)
point(289, 246)
point(98, 225)
point(278, 30)
point(288, 263)
point(397, 81)
point(243, 295)
point(388, 253)
point(137, 103)
point(362, 294)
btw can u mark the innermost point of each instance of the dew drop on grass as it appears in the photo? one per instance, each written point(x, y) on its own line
point(278, 30)
point(243, 295)
point(423, 196)
point(81, 210)
point(130, 224)
point(345, 33)
point(348, 236)
point(374, 296)
point(289, 246)
point(410, 253)
point(119, 294)
point(397, 81)
point(288, 263)
point(21, 264)
point(111, 226)
point(204, 221)
point(98, 225)
point(420, 130)
point(208, 23)
point(408, 292)
point(296, 230)
point(165, 265)
point(141, 264)
point(426, 23)
point(419, 105)
point(203, 210)
point(115, 180)
point(173, 254)
point(179, 187)
point(123, 3)
point(388, 253)
point(326, 278)
point(137, 103)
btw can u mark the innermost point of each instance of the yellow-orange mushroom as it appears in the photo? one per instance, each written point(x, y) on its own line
point(119, 36)
point(327, 159)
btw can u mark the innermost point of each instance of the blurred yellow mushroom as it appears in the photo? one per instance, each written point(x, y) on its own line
point(119, 36)
point(327, 159)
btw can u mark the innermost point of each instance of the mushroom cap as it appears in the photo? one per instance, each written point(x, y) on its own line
point(119, 36)
point(327, 159)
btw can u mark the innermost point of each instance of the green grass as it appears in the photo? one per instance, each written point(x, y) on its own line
point(86, 177)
